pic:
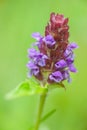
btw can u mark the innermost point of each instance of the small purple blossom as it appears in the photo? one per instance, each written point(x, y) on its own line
point(67, 52)
point(37, 36)
point(37, 57)
point(72, 68)
point(39, 43)
point(70, 59)
point(72, 46)
point(56, 76)
point(61, 64)
point(34, 70)
point(49, 40)
point(40, 59)
point(69, 55)
point(39, 39)
point(66, 75)
point(69, 49)
point(32, 53)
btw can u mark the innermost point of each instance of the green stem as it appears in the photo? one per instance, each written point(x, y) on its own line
point(40, 110)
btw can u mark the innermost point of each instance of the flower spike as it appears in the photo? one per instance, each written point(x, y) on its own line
point(54, 60)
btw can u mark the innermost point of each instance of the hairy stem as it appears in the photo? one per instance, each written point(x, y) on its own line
point(40, 110)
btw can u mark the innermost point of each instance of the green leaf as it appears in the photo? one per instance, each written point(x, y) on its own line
point(48, 115)
point(26, 88)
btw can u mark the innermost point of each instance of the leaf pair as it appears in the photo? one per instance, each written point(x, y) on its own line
point(26, 88)
point(31, 87)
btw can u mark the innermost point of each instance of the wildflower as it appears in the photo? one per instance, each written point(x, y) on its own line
point(49, 40)
point(61, 64)
point(37, 57)
point(54, 59)
point(37, 36)
point(56, 76)
point(34, 70)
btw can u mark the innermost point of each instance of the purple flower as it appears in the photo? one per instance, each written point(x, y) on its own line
point(68, 52)
point(49, 40)
point(37, 57)
point(69, 55)
point(34, 70)
point(69, 49)
point(37, 36)
point(72, 46)
point(61, 64)
point(32, 53)
point(39, 41)
point(40, 59)
point(70, 59)
point(72, 68)
point(66, 75)
point(56, 76)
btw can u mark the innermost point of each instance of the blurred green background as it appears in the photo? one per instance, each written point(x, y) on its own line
point(18, 20)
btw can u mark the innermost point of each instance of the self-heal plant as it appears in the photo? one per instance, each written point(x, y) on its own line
point(54, 60)
point(50, 63)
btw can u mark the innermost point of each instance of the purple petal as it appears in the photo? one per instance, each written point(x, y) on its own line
point(67, 52)
point(61, 64)
point(49, 40)
point(72, 68)
point(45, 57)
point(73, 45)
point(31, 65)
point(41, 63)
point(40, 59)
point(37, 36)
point(56, 76)
point(69, 49)
point(34, 70)
point(70, 59)
point(39, 44)
point(66, 75)
point(32, 52)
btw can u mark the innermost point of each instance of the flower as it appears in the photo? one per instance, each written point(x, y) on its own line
point(53, 59)
point(61, 64)
point(34, 70)
point(56, 76)
point(72, 68)
point(72, 46)
point(37, 57)
point(66, 75)
point(37, 36)
point(40, 59)
point(49, 40)
point(32, 53)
